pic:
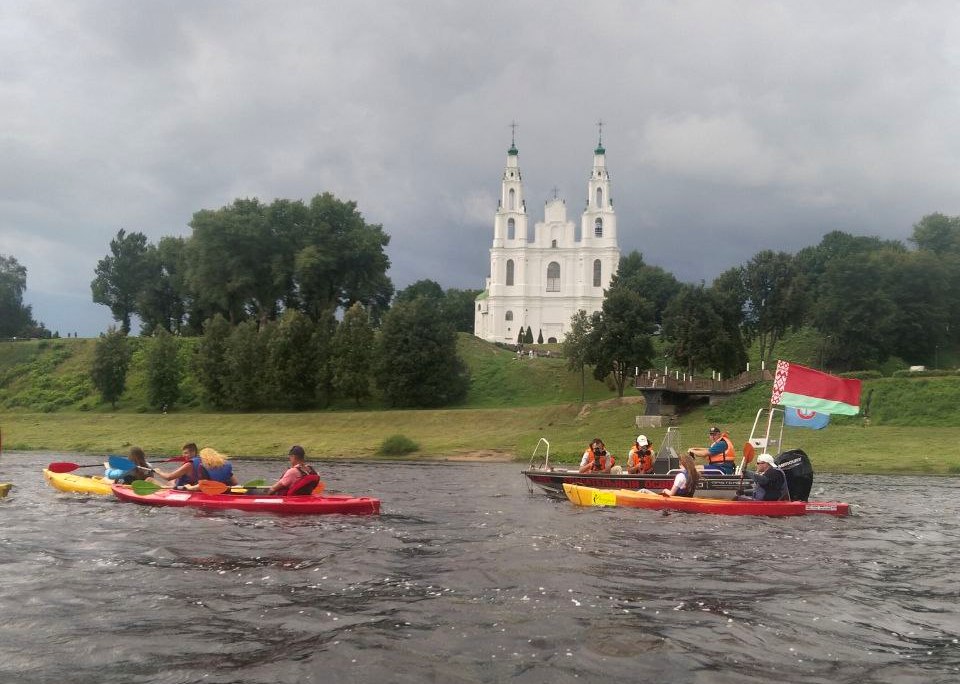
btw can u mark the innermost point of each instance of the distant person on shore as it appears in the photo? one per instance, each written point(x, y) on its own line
point(299, 479)
point(720, 454)
point(640, 460)
point(596, 459)
point(685, 482)
point(769, 482)
point(208, 465)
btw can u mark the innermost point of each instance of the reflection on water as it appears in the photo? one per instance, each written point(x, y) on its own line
point(467, 577)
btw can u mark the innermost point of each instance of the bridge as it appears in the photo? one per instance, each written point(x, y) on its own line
point(666, 392)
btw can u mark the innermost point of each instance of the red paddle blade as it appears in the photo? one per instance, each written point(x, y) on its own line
point(748, 453)
point(63, 467)
point(318, 490)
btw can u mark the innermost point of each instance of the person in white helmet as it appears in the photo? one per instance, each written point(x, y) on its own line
point(640, 460)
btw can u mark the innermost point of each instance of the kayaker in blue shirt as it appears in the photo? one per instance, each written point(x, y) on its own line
point(209, 465)
point(140, 471)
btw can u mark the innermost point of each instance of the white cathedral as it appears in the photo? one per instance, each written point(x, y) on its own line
point(541, 280)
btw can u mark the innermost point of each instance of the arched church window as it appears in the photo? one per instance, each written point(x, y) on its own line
point(512, 199)
point(596, 272)
point(598, 227)
point(509, 316)
point(511, 229)
point(509, 271)
point(553, 277)
point(553, 243)
point(599, 198)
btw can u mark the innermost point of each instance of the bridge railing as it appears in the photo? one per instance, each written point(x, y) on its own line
point(678, 381)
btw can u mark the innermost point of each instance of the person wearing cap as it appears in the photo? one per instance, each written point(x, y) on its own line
point(300, 478)
point(769, 482)
point(720, 454)
point(640, 460)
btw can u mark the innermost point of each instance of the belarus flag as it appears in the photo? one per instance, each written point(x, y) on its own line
point(804, 388)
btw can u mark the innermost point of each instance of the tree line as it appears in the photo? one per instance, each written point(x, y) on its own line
point(295, 363)
point(871, 301)
point(16, 318)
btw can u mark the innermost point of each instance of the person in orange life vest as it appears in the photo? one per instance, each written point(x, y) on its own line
point(640, 459)
point(720, 454)
point(299, 479)
point(685, 483)
point(596, 459)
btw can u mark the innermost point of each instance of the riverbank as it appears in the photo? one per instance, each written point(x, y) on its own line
point(463, 435)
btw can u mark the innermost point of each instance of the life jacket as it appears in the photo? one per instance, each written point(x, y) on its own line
point(199, 472)
point(641, 458)
point(602, 462)
point(303, 486)
point(687, 489)
point(728, 455)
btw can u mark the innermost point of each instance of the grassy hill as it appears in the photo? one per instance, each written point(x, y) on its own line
point(47, 402)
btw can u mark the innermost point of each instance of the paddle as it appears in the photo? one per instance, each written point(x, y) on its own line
point(748, 454)
point(65, 467)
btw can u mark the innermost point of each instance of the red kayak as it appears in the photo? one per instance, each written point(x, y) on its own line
point(590, 496)
point(255, 503)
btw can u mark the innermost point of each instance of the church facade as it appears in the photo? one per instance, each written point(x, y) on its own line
point(540, 280)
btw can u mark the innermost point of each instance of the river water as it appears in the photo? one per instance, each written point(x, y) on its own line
point(468, 577)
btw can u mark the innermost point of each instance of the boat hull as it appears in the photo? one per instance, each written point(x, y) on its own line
point(591, 496)
point(254, 503)
point(4, 489)
point(551, 481)
point(81, 484)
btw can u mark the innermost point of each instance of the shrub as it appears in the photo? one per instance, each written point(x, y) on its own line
point(397, 445)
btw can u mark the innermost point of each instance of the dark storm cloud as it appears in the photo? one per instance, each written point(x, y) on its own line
point(731, 127)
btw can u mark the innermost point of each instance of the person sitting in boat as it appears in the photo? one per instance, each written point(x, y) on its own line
point(685, 482)
point(596, 459)
point(769, 482)
point(720, 454)
point(140, 471)
point(640, 460)
point(299, 479)
point(209, 465)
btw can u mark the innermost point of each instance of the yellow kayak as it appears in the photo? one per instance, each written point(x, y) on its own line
point(4, 489)
point(68, 482)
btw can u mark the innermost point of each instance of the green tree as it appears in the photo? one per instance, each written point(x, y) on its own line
point(528, 336)
point(111, 359)
point(163, 298)
point(421, 288)
point(697, 335)
point(322, 345)
point(417, 361)
point(245, 379)
point(164, 371)
point(620, 337)
point(773, 302)
point(576, 347)
point(15, 317)
point(458, 308)
point(210, 362)
point(938, 234)
point(121, 276)
point(540, 337)
point(352, 354)
point(652, 283)
point(293, 361)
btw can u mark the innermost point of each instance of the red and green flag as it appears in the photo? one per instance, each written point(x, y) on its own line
point(805, 388)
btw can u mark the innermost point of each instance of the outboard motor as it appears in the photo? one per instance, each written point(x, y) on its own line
point(796, 465)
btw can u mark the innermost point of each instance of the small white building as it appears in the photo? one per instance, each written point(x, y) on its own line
point(541, 280)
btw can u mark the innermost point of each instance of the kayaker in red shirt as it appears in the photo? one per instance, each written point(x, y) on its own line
point(299, 479)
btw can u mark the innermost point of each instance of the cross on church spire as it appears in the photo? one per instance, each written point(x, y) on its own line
point(599, 149)
point(555, 191)
point(513, 133)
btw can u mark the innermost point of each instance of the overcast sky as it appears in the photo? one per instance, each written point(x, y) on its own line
point(730, 127)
